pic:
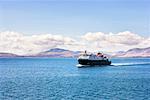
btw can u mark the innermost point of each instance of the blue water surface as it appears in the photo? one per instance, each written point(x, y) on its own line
point(60, 79)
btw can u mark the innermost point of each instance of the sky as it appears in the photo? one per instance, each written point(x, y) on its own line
point(71, 17)
point(74, 19)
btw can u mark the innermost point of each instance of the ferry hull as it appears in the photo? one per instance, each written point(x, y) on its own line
point(93, 62)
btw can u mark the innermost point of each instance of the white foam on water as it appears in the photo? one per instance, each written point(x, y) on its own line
point(125, 64)
point(79, 65)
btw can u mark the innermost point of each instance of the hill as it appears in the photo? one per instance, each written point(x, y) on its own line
point(8, 55)
point(135, 52)
point(58, 52)
point(63, 53)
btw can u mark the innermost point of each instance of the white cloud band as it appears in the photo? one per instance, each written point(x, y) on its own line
point(13, 42)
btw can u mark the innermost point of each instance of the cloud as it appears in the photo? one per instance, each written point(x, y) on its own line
point(116, 42)
point(94, 36)
point(13, 42)
point(126, 37)
point(18, 43)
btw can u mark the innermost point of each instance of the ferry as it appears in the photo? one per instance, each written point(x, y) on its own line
point(93, 59)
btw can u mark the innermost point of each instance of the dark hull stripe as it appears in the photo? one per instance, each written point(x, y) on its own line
point(93, 62)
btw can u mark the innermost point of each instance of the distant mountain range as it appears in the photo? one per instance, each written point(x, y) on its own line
point(55, 52)
point(136, 52)
point(58, 52)
point(8, 55)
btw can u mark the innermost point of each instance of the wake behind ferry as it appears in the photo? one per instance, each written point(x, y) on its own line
point(92, 59)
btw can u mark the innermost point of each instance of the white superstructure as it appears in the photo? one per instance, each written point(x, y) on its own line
point(91, 57)
point(99, 56)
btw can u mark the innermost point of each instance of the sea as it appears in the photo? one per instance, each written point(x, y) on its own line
point(61, 79)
